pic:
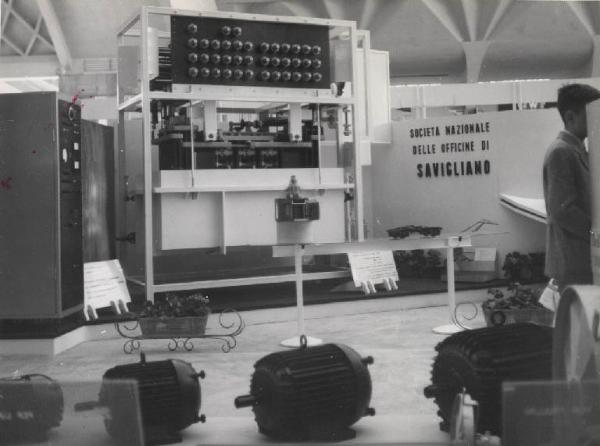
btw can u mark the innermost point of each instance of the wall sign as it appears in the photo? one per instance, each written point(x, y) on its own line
point(451, 150)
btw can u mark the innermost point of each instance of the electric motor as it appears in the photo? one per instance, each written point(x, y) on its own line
point(169, 396)
point(30, 405)
point(480, 360)
point(312, 393)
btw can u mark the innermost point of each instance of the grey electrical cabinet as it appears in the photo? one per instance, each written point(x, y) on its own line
point(41, 268)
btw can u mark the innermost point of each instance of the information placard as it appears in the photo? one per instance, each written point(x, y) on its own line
point(373, 266)
point(104, 286)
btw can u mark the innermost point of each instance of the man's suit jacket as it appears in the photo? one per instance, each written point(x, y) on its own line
point(567, 193)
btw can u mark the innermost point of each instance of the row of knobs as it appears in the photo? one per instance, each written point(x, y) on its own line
point(263, 47)
point(264, 75)
point(265, 61)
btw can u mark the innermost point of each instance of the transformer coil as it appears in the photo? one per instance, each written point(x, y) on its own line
point(312, 393)
point(480, 360)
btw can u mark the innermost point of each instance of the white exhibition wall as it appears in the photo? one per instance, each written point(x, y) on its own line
point(450, 171)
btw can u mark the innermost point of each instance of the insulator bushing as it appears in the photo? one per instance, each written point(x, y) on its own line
point(286, 76)
point(265, 75)
point(204, 44)
point(295, 49)
point(306, 76)
point(306, 63)
point(316, 77)
point(226, 59)
point(204, 72)
point(311, 393)
point(248, 60)
point(296, 76)
point(192, 42)
point(248, 46)
point(296, 62)
point(237, 45)
point(192, 28)
point(236, 31)
point(169, 397)
point(275, 61)
point(275, 76)
point(316, 63)
point(306, 49)
point(264, 61)
point(264, 47)
point(237, 59)
point(226, 45)
point(227, 73)
point(285, 47)
point(480, 360)
point(238, 74)
point(316, 50)
point(249, 74)
point(215, 44)
point(226, 30)
point(275, 47)
point(215, 58)
point(215, 73)
point(192, 57)
point(286, 62)
point(204, 58)
point(193, 72)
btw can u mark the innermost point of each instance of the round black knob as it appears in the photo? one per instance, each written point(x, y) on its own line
point(225, 30)
point(286, 76)
point(296, 62)
point(192, 28)
point(227, 73)
point(316, 77)
point(238, 74)
point(204, 72)
point(275, 61)
point(226, 59)
point(316, 50)
point(306, 49)
point(215, 58)
point(248, 60)
point(216, 73)
point(296, 76)
point(204, 43)
point(265, 75)
point(275, 47)
point(226, 44)
point(204, 58)
point(316, 63)
point(237, 59)
point(306, 76)
point(295, 48)
point(264, 61)
point(215, 44)
point(192, 57)
point(306, 63)
point(248, 46)
point(236, 31)
point(237, 45)
point(192, 42)
point(285, 47)
point(193, 72)
point(285, 62)
point(249, 74)
point(264, 47)
point(275, 76)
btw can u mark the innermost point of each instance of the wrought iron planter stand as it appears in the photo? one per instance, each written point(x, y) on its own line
point(184, 340)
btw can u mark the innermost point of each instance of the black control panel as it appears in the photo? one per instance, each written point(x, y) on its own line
point(220, 51)
point(71, 219)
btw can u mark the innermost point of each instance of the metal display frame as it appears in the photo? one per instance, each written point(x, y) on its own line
point(141, 102)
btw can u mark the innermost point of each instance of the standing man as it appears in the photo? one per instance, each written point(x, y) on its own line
point(567, 191)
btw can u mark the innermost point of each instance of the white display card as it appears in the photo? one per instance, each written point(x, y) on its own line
point(104, 286)
point(373, 266)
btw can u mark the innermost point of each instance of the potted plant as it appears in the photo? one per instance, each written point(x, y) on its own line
point(175, 316)
point(519, 304)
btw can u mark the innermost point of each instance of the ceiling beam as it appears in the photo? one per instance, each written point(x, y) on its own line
point(582, 13)
point(500, 12)
point(29, 26)
point(12, 45)
point(7, 13)
point(35, 35)
point(441, 9)
point(471, 10)
point(56, 33)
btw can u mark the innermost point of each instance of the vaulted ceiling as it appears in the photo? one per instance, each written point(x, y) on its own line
point(428, 40)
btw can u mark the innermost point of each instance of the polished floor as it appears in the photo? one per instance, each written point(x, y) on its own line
point(397, 332)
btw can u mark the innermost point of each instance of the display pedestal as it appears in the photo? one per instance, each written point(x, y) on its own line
point(453, 327)
point(295, 342)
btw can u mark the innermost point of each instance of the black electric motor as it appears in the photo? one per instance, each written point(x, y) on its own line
point(169, 400)
point(311, 393)
point(480, 360)
point(30, 405)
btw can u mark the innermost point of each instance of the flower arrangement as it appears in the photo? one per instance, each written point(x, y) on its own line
point(520, 304)
point(177, 306)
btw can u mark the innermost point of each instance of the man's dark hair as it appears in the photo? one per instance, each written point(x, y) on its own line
point(575, 97)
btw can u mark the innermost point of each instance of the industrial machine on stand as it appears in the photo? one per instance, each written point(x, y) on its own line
point(219, 114)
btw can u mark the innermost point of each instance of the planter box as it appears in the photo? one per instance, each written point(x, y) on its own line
point(173, 327)
point(540, 316)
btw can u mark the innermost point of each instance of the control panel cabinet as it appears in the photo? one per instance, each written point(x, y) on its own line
point(41, 269)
